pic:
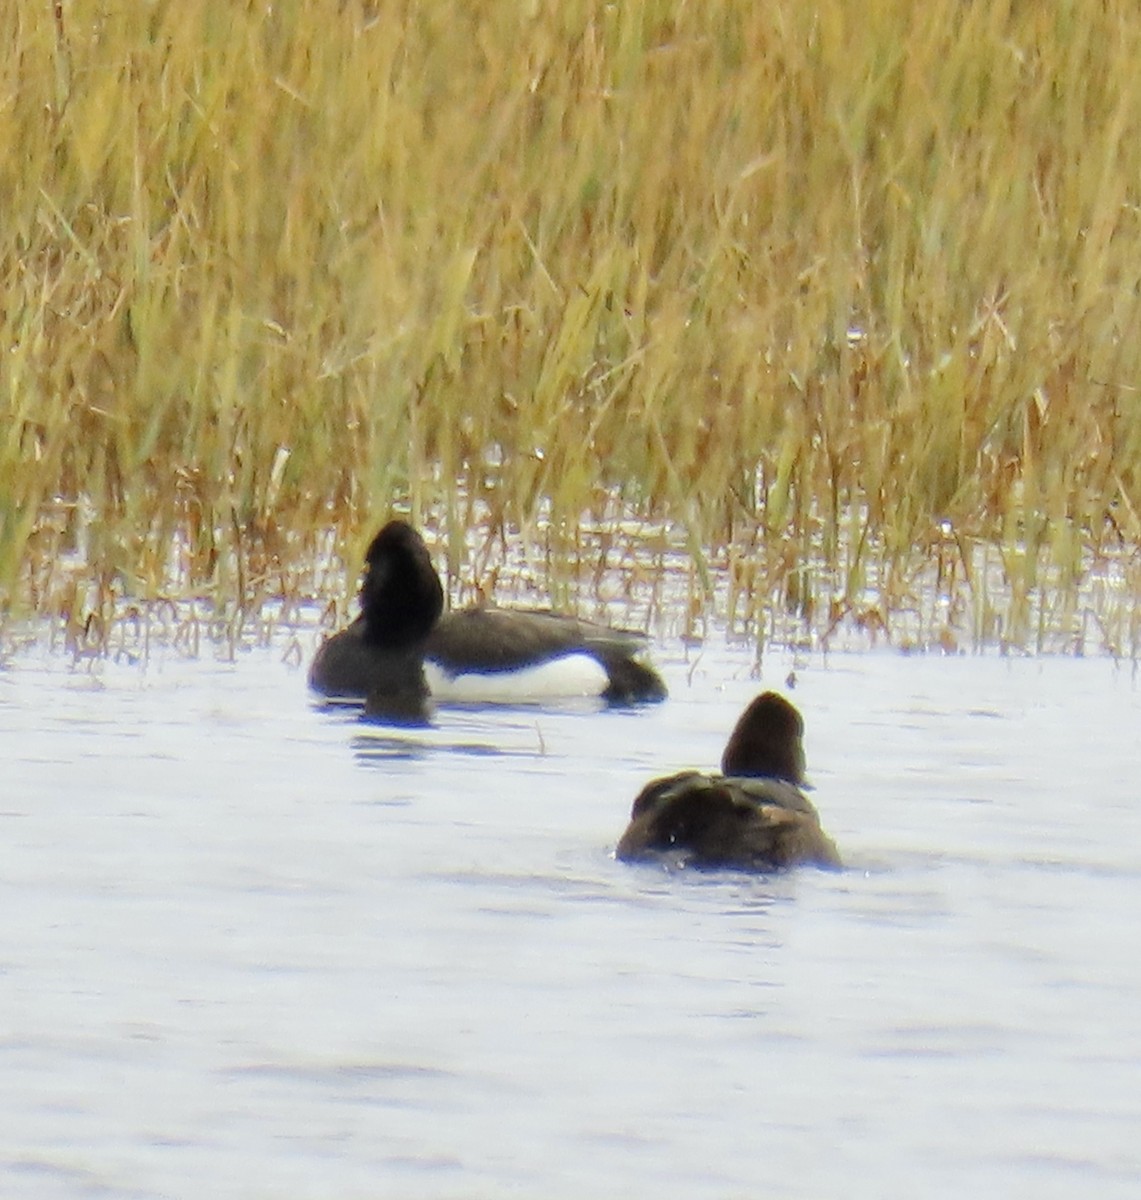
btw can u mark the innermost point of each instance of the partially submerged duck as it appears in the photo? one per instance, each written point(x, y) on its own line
point(753, 816)
point(404, 650)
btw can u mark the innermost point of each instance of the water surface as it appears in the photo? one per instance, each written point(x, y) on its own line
point(253, 949)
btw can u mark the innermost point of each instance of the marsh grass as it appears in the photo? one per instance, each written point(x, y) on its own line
point(841, 301)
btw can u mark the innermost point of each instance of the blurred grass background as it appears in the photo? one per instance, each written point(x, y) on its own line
point(856, 286)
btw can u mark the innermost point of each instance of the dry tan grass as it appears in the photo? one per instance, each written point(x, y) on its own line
point(848, 287)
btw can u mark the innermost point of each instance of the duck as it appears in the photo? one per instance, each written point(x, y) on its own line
point(404, 652)
point(753, 816)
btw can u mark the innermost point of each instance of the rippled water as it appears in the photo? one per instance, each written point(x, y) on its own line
point(253, 949)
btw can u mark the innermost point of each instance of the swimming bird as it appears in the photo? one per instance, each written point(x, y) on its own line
point(403, 650)
point(753, 816)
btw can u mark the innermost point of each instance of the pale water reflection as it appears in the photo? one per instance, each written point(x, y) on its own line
point(253, 949)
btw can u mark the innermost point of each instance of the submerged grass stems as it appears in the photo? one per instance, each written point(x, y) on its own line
point(846, 297)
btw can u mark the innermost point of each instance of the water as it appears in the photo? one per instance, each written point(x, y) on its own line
point(252, 949)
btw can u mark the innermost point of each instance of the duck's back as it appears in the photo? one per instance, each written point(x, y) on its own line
point(488, 640)
point(726, 821)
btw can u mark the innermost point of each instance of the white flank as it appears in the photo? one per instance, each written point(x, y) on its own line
point(572, 675)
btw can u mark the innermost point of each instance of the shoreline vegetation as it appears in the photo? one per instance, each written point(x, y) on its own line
point(829, 314)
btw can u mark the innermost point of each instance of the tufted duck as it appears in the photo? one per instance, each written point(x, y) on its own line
point(752, 817)
point(404, 649)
